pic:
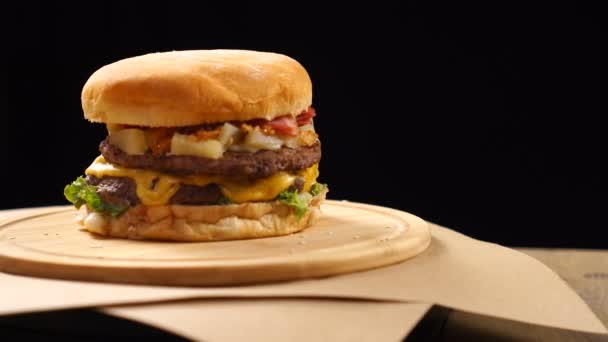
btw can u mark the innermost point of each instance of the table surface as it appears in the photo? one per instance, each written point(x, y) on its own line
point(586, 271)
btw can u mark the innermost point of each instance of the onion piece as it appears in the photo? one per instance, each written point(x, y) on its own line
point(292, 142)
point(187, 145)
point(257, 140)
point(228, 133)
point(130, 140)
point(308, 127)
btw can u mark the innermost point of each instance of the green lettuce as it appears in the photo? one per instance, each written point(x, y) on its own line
point(79, 193)
point(298, 202)
point(317, 188)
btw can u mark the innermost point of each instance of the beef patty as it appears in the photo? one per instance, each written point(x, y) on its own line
point(115, 190)
point(121, 191)
point(241, 164)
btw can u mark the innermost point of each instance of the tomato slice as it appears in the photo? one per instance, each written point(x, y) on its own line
point(306, 117)
point(285, 124)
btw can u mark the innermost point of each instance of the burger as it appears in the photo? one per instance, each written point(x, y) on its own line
point(202, 145)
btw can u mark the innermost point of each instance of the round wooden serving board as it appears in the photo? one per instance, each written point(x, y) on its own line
point(348, 237)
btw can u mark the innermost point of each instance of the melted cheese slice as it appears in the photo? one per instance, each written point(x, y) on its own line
point(154, 188)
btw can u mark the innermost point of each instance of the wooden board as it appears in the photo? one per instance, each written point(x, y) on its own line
point(348, 237)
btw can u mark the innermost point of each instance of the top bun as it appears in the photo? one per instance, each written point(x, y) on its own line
point(184, 88)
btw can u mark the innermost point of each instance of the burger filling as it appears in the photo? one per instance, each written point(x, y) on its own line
point(238, 164)
point(154, 188)
point(213, 140)
point(232, 163)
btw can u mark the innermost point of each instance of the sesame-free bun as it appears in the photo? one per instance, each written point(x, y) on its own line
point(204, 223)
point(183, 88)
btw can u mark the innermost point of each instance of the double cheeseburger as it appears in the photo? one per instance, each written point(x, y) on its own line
point(202, 145)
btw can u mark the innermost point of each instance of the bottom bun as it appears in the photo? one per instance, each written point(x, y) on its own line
point(203, 223)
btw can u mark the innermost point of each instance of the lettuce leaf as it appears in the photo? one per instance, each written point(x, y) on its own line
point(79, 193)
point(298, 202)
point(317, 188)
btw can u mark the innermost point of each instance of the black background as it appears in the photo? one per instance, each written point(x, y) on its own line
point(487, 120)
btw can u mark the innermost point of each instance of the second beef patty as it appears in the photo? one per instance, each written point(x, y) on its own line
point(233, 164)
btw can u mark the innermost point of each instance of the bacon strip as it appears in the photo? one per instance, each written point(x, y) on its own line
point(285, 124)
point(306, 117)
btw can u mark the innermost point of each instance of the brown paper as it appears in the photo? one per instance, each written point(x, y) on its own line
point(280, 319)
point(456, 272)
point(585, 270)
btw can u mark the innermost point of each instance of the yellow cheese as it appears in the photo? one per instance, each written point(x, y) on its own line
point(310, 176)
point(261, 190)
point(154, 188)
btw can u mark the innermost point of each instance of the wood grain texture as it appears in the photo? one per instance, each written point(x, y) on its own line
point(348, 237)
